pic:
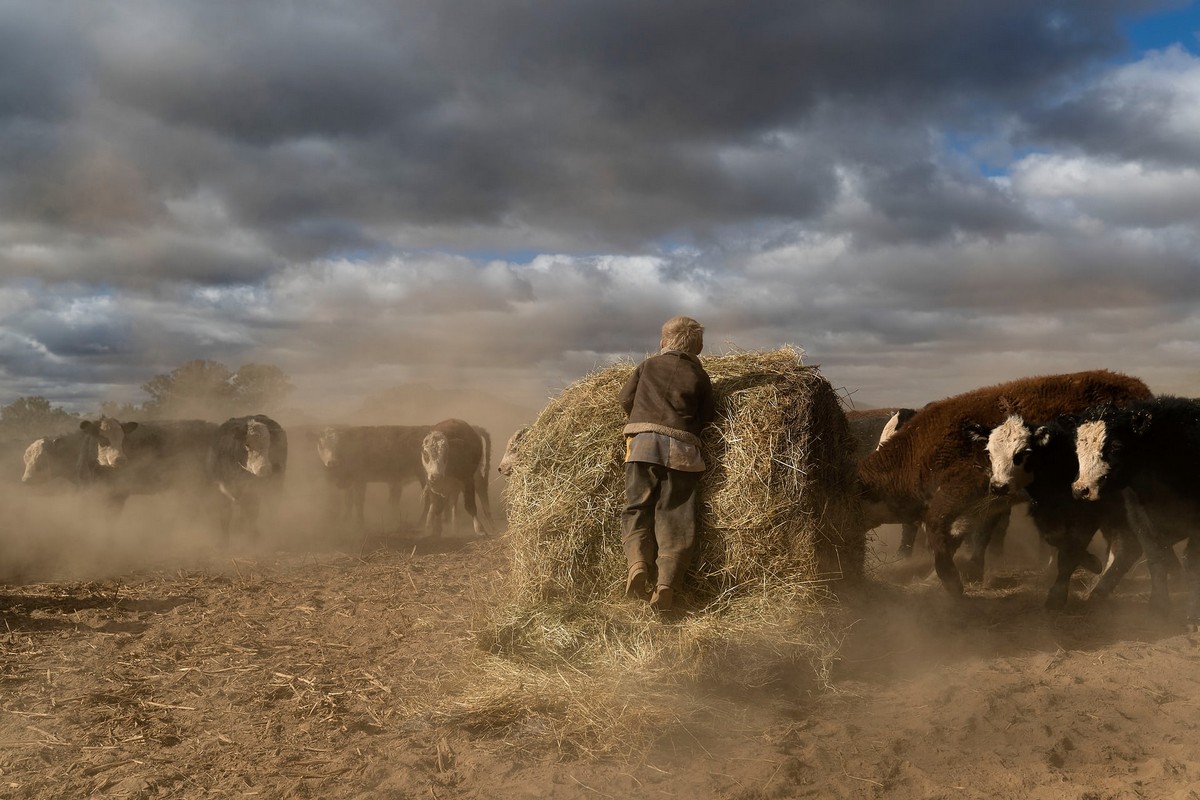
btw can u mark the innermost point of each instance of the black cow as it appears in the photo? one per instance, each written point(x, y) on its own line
point(144, 458)
point(1040, 462)
point(1148, 453)
point(247, 458)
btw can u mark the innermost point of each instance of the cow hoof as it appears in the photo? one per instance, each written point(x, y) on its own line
point(905, 551)
point(1091, 564)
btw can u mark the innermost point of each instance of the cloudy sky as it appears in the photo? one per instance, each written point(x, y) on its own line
point(925, 196)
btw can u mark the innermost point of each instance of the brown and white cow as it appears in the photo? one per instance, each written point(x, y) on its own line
point(356, 455)
point(456, 456)
point(870, 428)
point(933, 469)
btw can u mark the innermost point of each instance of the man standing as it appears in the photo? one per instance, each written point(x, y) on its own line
point(668, 400)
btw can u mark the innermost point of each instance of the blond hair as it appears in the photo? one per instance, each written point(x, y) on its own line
point(683, 333)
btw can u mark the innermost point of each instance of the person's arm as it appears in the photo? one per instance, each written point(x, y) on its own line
point(629, 391)
point(708, 411)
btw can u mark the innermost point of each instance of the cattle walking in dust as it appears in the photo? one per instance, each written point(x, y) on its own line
point(933, 469)
point(1039, 462)
point(1149, 455)
point(870, 428)
point(52, 458)
point(356, 455)
point(456, 457)
point(131, 458)
point(247, 459)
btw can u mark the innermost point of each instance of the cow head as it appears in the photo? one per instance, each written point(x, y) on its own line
point(110, 439)
point(505, 467)
point(327, 447)
point(256, 437)
point(1010, 446)
point(894, 424)
point(435, 451)
point(1100, 444)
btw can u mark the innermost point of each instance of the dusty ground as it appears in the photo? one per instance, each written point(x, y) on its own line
point(306, 671)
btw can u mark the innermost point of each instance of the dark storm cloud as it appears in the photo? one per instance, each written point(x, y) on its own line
point(340, 188)
point(334, 127)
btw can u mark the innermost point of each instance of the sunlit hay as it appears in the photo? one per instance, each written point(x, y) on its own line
point(775, 502)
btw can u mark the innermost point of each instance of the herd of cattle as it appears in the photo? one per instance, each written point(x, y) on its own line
point(243, 460)
point(1089, 451)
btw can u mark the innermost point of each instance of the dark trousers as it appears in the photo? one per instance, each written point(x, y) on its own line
point(658, 525)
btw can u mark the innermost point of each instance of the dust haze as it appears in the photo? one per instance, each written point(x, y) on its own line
point(56, 531)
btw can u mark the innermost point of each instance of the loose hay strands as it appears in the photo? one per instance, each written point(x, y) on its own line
point(570, 651)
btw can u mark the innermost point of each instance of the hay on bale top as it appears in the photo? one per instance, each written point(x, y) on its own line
point(774, 501)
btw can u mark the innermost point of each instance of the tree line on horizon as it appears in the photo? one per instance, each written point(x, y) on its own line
point(199, 389)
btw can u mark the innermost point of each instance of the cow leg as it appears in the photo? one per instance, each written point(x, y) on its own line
point(483, 523)
point(1123, 552)
point(356, 494)
point(980, 534)
point(249, 506)
point(908, 539)
point(1072, 553)
point(1192, 566)
point(1152, 546)
point(943, 545)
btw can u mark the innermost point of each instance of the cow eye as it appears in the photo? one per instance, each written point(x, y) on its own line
point(1020, 456)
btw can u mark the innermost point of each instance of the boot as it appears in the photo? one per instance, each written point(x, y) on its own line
point(637, 585)
point(663, 595)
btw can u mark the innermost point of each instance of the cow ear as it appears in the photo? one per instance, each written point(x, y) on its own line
point(1041, 436)
point(89, 426)
point(129, 427)
point(1141, 422)
point(976, 432)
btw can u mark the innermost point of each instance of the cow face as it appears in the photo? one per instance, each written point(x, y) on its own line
point(35, 462)
point(1009, 447)
point(110, 439)
point(327, 447)
point(258, 449)
point(435, 450)
point(505, 467)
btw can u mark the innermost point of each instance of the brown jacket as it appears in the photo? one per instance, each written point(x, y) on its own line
point(669, 393)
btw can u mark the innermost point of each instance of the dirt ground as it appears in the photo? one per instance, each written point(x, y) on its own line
point(305, 669)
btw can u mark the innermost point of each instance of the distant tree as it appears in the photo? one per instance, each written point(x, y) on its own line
point(31, 417)
point(209, 390)
point(122, 411)
point(260, 387)
point(198, 388)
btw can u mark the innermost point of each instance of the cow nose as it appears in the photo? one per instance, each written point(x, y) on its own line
point(1080, 492)
point(999, 489)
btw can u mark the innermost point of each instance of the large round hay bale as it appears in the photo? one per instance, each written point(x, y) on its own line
point(773, 501)
point(571, 658)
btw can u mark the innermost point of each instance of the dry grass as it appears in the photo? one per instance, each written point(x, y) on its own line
point(576, 662)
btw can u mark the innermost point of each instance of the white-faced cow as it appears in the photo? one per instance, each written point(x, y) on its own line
point(247, 459)
point(931, 469)
point(1149, 454)
point(456, 457)
point(53, 458)
point(145, 458)
point(355, 455)
point(512, 452)
point(1039, 462)
point(870, 428)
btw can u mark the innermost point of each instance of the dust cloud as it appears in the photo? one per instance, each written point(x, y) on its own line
point(55, 531)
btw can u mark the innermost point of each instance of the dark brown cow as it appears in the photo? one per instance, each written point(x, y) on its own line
point(457, 457)
point(870, 428)
point(355, 455)
point(933, 469)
